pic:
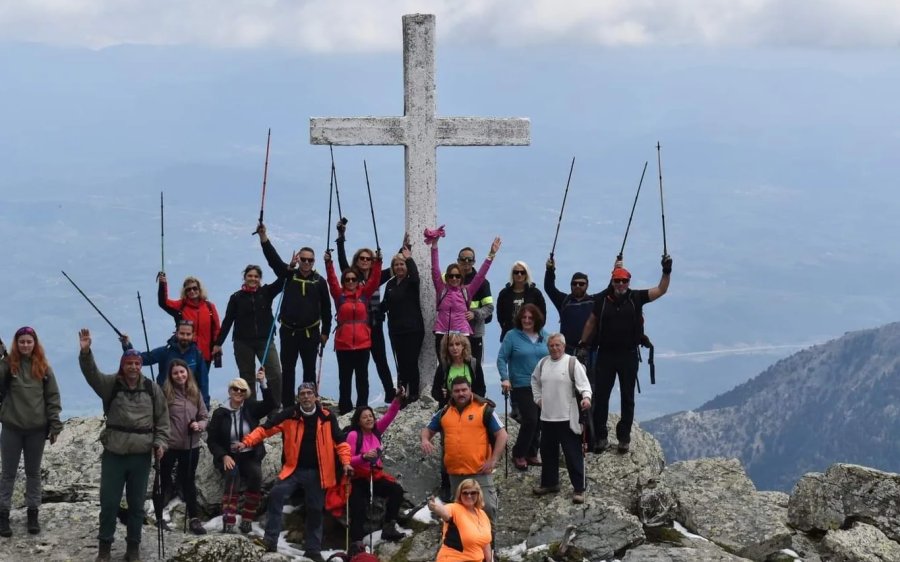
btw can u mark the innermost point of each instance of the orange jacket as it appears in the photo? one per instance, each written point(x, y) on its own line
point(329, 441)
point(466, 443)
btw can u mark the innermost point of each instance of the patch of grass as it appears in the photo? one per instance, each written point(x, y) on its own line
point(663, 534)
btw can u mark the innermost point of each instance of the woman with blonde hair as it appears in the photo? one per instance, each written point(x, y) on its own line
point(30, 416)
point(187, 420)
point(455, 360)
point(520, 291)
point(467, 529)
point(193, 304)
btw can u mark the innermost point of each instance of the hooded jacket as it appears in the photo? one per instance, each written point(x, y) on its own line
point(183, 411)
point(352, 310)
point(218, 432)
point(452, 303)
point(29, 403)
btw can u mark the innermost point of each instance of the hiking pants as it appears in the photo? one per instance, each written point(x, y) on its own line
point(314, 497)
point(554, 435)
point(246, 352)
point(360, 501)
point(13, 444)
point(379, 356)
point(608, 365)
point(184, 462)
point(529, 419)
point(406, 354)
point(350, 362)
point(248, 469)
point(130, 472)
point(296, 342)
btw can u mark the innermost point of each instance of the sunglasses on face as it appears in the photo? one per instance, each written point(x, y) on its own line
point(579, 284)
point(518, 272)
point(307, 260)
point(470, 493)
point(350, 279)
point(236, 389)
point(620, 281)
point(364, 258)
point(465, 260)
point(454, 276)
point(189, 289)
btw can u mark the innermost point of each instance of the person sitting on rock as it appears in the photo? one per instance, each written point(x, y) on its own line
point(137, 424)
point(230, 423)
point(364, 441)
point(311, 439)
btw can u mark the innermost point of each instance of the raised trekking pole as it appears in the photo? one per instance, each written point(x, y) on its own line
point(337, 192)
point(274, 321)
point(506, 424)
point(631, 216)
point(662, 206)
point(565, 195)
point(330, 202)
point(347, 489)
point(371, 207)
point(90, 302)
point(162, 233)
point(144, 325)
point(262, 204)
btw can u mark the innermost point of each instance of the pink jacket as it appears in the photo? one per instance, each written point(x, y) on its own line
point(371, 440)
point(452, 306)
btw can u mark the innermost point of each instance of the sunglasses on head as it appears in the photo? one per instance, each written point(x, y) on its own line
point(237, 389)
point(307, 260)
point(454, 276)
point(620, 281)
point(518, 272)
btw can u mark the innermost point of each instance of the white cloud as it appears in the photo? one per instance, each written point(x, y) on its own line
point(373, 25)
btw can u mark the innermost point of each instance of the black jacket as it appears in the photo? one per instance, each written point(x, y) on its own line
point(306, 304)
point(251, 313)
point(401, 302)
point(218, 430)
point(507, 309)
point(442, 372)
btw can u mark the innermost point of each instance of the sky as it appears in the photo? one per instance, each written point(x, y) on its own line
point(777, 123)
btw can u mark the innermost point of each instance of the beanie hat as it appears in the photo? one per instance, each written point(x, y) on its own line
point(131, 354)
point(621, 273)
point(579, 275)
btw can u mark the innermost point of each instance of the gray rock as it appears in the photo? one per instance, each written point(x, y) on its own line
point(691, 551)
point(860, 543)
point(718, 501)
point(220, 548)
point(658, 505)
point(845, 492)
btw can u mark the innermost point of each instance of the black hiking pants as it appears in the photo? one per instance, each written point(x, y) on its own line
point(608, 365)
point(302, 343)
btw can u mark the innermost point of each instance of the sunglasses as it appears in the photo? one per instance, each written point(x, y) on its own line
point(465, 260)
point(620, 281)
point(236, 389)
point(454, 276)
point(307, 260)
point(579, 283)
point(364, 258)
point(350, 279)
point(470, 493)
point(518, 272)
point(189, 289)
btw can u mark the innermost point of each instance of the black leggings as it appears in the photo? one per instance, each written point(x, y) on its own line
point(406, 353)
point(350, 362)
point(529, 417)
point(359, 503)
point(184, 461)
point(294, 343)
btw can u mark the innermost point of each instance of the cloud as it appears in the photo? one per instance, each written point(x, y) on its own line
point(325, 26)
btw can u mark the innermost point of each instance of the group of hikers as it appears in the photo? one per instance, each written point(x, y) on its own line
point(558, 384)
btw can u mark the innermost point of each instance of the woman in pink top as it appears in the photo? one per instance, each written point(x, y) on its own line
point(453, 297)
point(364, 439)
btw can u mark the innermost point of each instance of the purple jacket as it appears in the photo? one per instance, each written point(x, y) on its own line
point(452, 304)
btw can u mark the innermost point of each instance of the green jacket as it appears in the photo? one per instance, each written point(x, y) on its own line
point(29, 403)
point(130, 424)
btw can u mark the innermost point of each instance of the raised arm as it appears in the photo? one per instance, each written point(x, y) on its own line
point(485, 266)
point(663, 286)
point(279, 268)
point(556, 296)
point(436, 269)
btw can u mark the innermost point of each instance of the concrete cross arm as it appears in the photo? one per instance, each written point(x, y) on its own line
point(357, 130)
point(481, 131)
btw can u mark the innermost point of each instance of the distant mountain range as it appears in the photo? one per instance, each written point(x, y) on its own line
point(835, 402)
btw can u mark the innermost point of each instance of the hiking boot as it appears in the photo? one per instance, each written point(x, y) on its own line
point(133, 552)
point(520, 463)
point(544, 490)
point(33, 526)
point(534, 461)
point(196, 526)
point(390, 532)
point(623, 446)
point(228, 521)
point(578, 498)
point(313, 555)
point(104, 553)
point(270, 545)
point(600, 446)
point(5, 531)
point(246, 526)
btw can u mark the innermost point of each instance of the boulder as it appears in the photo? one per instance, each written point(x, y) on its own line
point(690, 551)
point(859, 543)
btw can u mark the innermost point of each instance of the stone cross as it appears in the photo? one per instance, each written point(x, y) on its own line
point(421, 131)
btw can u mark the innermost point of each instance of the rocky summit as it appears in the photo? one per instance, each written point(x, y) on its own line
point(636, 509)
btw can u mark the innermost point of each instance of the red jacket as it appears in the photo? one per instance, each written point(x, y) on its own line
point(203, 314)
point(353, 332)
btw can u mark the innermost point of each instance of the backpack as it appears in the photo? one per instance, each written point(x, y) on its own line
point(445, 290)
point(572, 361)
point(147, 387)
point(638, 312)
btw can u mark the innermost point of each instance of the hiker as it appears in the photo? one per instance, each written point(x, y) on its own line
point(481, 309)
point(363, 263)
point(137, 428)
point(519, 291)
point(305, 314)
point(312, 439)
point(520, 352)
point(29, 414)
point(466, 534)
point(235, 418)
point(474, 440)
point(353, 337)
point(180, 346)
point(455, 360)
point(250, 310)
point(453, 297)
point(187, 420)
point(561, 391)
point(574, 308)
point(366, 449)
point(619, 322)
point(404, 319)
point(193, 305)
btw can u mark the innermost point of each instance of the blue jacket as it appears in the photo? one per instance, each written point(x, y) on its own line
point(518, 357)
point(162, 356)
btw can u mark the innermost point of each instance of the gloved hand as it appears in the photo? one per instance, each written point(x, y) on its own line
point(551, 265)
point(645, 341)
point(666, 264)
point(581, 353)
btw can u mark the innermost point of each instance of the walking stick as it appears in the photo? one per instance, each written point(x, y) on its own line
point(319, 370)
point(371, 207)
point(262, 204)
point(158, 509)
point(661, 204)
point(631, 216)
point(337, 192)
point(347, 514)
point(330, 202)
point(90, 302)
point(371, 498)
point(565, 195)
point(274, 321)
point(162, 233)
point(144, 325)
point(506, 424)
